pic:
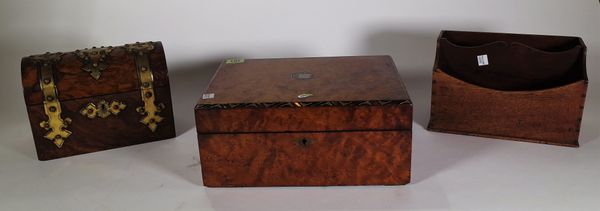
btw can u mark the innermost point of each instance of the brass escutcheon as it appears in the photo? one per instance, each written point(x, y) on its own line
point(103, 109)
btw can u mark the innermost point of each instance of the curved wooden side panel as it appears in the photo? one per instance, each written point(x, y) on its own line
point(305, 159)
point(549, 116)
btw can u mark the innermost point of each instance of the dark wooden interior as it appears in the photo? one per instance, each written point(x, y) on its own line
point(517, 62)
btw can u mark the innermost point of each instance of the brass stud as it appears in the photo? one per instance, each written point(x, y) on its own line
point(58, 136)
point(90, 111)
point(95, 64)
point(144, 68)
point(46, 81)
point(50, 98)
point(145, 84)
point(148, 94)
point(52, 109)
point(152, 120)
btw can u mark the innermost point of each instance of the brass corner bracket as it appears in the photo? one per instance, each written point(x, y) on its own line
point(140, 48)
point(94, 60)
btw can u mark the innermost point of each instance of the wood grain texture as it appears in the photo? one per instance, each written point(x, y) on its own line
point(76, 88)
point(357, 78)
point(323, 159)
point(256, 131)
point(532, 89)
point(304, 119)
point(74, 83)
point(551, 116)
point(92, 135)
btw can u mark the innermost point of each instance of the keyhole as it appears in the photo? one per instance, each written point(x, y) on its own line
point(304, 142)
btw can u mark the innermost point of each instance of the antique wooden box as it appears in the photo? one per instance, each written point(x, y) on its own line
point(97, 99)
point(305, 122)
point(511, 86)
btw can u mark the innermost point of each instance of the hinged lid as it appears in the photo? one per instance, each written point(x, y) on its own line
point(94, 72)
point(305, 94)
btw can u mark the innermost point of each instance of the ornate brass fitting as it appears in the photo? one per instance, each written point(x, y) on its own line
point(55, 125)
point(103, 109)
point(151, 109)
point(94, 60)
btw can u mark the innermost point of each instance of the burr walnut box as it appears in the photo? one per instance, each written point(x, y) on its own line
point(97, 99)
point(511, 86)
point(305, 122)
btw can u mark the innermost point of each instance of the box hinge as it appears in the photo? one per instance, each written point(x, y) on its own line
point(55, 125)
point(150, 109)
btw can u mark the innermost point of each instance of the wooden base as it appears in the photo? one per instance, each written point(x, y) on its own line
point(501, 137)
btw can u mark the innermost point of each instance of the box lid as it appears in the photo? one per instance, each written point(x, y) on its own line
point(93, 71)
point(305, 94)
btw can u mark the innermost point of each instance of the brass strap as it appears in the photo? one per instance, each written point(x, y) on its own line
point(150, 110)
point(55, 125)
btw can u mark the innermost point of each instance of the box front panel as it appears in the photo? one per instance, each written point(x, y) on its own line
point(101, 123)
point(551, 116)
point(306, 159)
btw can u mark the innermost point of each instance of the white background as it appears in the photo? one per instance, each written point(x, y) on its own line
point(449, 171)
